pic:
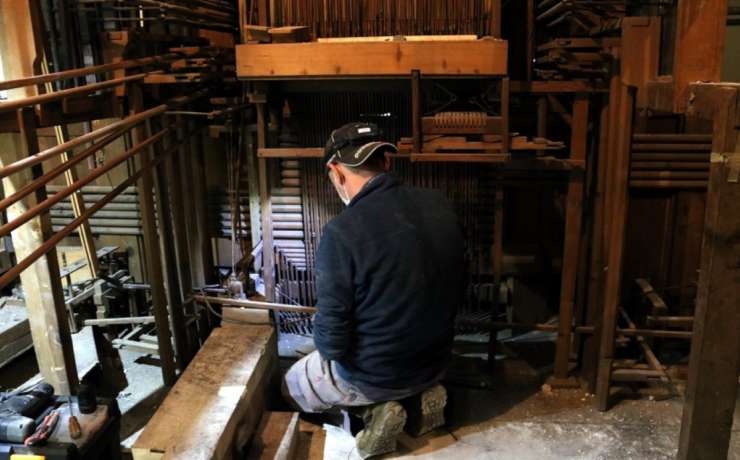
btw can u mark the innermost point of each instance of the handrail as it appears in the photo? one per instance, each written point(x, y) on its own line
point(34, 211)
point(73, 73)
point(61, 94)
point(72, 143)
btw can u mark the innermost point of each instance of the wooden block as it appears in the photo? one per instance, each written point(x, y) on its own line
point(290, 34)
point(276, 437)
point(486, 57)
point(236, 316)
point(215, 405)
point(257, 33)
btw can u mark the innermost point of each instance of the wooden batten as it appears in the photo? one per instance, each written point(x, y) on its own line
point(485, 57)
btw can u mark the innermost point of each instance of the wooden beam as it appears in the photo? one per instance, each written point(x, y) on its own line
point(268, 250)
point(699, 49)
point(572, 236)
point(200, 190)
point(185, 347)
point(217, 403)
point(589, 354)
point(152, 252)
point(20, 50)
point(416, 110)
point(573, 86)
point(485, 57)
point(618, 198)
point(715, 348)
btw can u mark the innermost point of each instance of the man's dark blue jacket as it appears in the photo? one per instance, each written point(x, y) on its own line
point(389, 278)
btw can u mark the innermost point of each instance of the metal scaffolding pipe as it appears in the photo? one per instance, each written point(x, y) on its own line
point(72, 143)
point(16, 270)
point(42, 180)
point(73, 73)
point(77, 185)
point(61, 94)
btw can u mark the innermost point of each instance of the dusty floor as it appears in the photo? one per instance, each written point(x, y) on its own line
point(518, 424)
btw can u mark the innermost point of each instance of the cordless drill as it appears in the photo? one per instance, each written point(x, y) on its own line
point(19, 409)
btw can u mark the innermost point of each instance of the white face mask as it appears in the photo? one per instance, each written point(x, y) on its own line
point(341, 191)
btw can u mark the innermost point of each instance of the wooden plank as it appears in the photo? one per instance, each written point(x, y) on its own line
point(268, 250)
point(218, 400)
point(288, 447)
point(152, 252)
point(714, 362)
point(571, 243)
point(573, 86)
point(618, 195)
point(589, 355)
point(201, 212)
point(184, 346)
point(699, 47)
point(390, 38)
point(485, 57)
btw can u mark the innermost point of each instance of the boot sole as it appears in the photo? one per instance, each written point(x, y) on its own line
point(432, 402)
point(388, 427)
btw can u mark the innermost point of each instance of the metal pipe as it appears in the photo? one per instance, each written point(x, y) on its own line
point(255, 304)
point(67, 74)
point(16, 270)
point(72, 143)
point(61, 94)
point(42, 180)
point(77, 185)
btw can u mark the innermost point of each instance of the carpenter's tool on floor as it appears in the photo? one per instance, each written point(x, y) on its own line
point(19, 409)
point(44, 429)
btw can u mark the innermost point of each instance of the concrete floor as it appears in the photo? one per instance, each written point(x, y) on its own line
point(506, 421)
point(523, 424)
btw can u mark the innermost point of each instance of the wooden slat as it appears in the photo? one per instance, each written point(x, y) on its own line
point(486, 57)
point(218, 399)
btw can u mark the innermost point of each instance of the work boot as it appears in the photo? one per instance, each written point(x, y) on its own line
point(426, 410)
point(383, 423)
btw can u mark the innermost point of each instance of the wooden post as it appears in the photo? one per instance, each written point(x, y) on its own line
point(416, 132)
point(589, 356)
point(200, 192)
point(151, 247)
point(43, 289)
point(505, 141)
point(498, 255)
point(185, 184)
point(254, 191)
point(541, 120)
point(715, 345)
point(618, 196)
point(572, 240)
point(47, 314)
point(268, 249)
point(184, 346)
